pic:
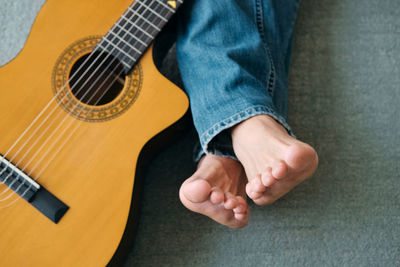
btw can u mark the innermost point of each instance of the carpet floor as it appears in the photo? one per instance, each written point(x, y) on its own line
point(344, 100)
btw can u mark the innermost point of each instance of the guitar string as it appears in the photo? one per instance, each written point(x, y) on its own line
point(55, 108)
point(95, 82)
point(54, 119)
point(65, 141)
point(67, 128)
point(42, 112)
point(80, 112)
point(48, 104)
point(73, 131)
point(83, 97)
point(117, 24)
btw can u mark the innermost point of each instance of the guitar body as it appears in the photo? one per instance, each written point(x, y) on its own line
point(91, 169)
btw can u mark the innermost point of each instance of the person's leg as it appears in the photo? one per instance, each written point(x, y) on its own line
point(215, 40)
point(230, 76)
point(275, 162)
point(226, 67)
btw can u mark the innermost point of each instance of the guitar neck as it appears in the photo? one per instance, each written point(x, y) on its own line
point(135, 30)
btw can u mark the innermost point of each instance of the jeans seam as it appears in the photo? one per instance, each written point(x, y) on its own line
point(259, 19)
point(260, 25)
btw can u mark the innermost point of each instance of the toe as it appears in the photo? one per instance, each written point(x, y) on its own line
point(267, 178)
point(280, 170)
point(230, 201)
point(196, 190)
point(217, 196)
point(255, 195)
point(242, 205)
point(256, 185)
point(240, 208)
point(241, 200)
point(252, 194)
point(240, 216)
point(254, 188)
point(266, 197)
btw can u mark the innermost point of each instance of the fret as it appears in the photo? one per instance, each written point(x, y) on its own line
point(122, 61)
point(125, 64)
point(146, 33)
point(135, 30)
point(137, 14)
point(144, 9)
point(152, 11)
point(128, 21)
point(166, 6)
point(122, 51)
point(128, 44)
point(110, 40)
point(130, 35)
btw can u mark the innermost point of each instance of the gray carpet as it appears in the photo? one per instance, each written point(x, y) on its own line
point(344, 100)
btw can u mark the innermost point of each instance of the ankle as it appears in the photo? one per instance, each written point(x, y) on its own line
point(253, 124)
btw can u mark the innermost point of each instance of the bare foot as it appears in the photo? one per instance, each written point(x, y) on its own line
point(217, 190)
point(274, 161)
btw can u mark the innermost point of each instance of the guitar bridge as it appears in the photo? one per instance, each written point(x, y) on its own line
point(31, 191)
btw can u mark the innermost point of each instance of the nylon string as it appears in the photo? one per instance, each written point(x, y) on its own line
point(80, 122)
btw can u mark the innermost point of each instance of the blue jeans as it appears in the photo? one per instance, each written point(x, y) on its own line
point(234, 58)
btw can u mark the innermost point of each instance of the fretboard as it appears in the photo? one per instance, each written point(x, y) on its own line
point(129, 38)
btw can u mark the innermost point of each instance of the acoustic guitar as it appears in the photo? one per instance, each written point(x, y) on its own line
point(77, 106)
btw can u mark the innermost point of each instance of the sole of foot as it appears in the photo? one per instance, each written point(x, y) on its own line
point(217, 190)
point(274, 161)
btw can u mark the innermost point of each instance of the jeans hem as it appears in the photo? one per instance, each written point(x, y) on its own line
point(229, 122)
point(198, 153)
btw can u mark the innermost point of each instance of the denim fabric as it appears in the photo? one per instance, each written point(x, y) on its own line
point(234, 58)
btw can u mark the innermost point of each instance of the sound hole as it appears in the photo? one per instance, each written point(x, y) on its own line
point(97, 78)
